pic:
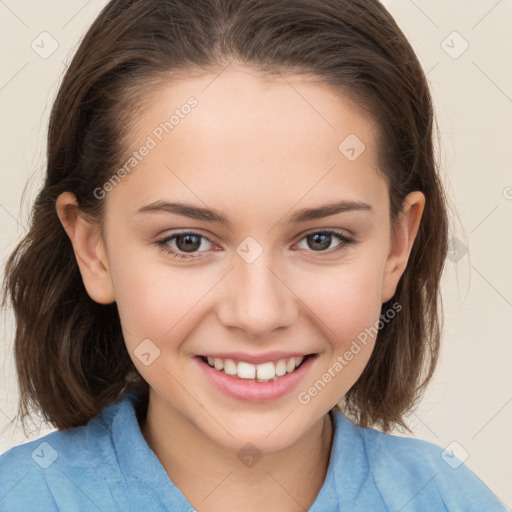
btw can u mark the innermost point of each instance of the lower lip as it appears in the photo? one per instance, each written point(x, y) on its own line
point(255, 391)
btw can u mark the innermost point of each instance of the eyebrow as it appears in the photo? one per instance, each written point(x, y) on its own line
point(305, 214)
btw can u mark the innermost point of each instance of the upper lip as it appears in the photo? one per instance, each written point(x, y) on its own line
point(257, 358)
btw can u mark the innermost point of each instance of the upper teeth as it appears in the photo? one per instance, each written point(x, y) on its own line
point(263, 372)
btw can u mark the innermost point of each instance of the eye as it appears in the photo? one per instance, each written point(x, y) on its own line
point(184, 244)
point(320, 241)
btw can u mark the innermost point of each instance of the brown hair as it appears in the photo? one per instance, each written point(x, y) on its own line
point(69, 351)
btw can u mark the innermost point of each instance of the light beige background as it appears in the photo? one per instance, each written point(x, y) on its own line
point(470, 400)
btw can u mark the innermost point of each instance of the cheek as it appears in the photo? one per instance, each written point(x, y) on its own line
point(346, 306)
point(161, 303)
point(346, 298)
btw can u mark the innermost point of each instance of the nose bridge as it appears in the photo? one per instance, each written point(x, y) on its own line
point(257, 299)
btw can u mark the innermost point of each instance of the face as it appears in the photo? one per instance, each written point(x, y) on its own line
point(260, 279)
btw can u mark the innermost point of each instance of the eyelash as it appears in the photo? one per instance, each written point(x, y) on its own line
point(163, 244)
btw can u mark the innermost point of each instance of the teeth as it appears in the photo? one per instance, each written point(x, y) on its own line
point(262, 372)
point(267, 371)
point(246, 370)
point(281, 368)
point(230, 367)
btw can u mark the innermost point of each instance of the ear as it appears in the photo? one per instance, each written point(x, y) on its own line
point(88, 247)
point(405, 229)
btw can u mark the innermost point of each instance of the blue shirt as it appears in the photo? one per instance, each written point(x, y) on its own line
point(108, 466)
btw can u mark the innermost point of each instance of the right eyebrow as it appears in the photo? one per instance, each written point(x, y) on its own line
point(186, 210)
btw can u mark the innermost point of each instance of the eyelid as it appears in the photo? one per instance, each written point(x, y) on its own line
point(164, 239)
point(171, 234)
point(299, 237)
point(162, 242)
point(335, 231)
point(345, 242)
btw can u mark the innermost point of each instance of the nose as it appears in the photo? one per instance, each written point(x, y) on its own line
point(256, 299)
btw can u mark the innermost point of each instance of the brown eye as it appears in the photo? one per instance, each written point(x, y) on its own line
point(320, 241)
point(184, 245)
point(188, 242)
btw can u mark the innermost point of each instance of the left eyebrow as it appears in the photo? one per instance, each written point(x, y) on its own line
point(329, 209)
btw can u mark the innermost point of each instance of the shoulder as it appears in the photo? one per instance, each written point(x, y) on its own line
point(26, 468)
point(413, 474)
point(64, 470)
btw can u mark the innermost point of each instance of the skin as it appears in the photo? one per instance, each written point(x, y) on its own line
point(256, 149)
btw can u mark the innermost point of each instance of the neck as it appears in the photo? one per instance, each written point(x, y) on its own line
point(288, 480)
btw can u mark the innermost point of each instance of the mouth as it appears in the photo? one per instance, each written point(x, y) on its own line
point(264, 372)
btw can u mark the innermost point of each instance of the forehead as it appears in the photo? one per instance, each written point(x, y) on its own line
point(249, 105)
point(254, 139)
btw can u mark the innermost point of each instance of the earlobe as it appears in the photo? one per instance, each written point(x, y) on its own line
point(89, 249)
point(405, 231)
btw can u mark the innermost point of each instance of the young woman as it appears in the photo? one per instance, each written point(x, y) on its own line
point(231, 279)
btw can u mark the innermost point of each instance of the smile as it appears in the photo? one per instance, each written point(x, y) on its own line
point(263, 372)
point(255, 382)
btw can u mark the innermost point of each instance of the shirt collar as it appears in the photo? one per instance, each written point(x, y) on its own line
point(138, 462)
